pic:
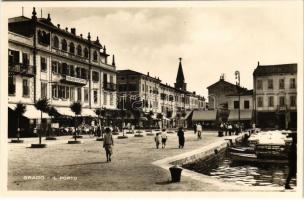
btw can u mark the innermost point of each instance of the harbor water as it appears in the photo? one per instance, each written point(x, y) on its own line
point(222, 167)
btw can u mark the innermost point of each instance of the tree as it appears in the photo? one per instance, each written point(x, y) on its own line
point(123, 114)
point(76, 108)
point(43, 106)
point(19, 110)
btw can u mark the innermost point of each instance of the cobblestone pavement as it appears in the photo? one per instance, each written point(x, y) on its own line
point(83, 167)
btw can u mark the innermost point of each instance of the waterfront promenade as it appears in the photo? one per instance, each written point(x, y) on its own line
point(83, 167)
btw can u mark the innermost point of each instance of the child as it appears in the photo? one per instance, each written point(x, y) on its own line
point(164, 138)
point(157, 140)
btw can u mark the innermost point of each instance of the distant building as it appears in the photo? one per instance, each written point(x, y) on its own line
point(148, 93)
point(275, 95)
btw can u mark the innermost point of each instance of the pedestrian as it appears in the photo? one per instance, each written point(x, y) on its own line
point(195, 128)
point(108, 142)
point(164, 138)
point(230, 129)
point(226, 129)
point(292, 161)
point(157, 140)
point(181, 138)
point(199, 131)
point(98, 131)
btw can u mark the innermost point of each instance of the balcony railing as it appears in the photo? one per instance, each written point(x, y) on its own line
point(109, 86)
point(281, 107)
point(22, 69)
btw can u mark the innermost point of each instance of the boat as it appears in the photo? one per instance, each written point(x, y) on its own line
point(253, 158)
point(242, 149)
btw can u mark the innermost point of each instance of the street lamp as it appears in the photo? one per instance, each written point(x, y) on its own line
point(238, 80)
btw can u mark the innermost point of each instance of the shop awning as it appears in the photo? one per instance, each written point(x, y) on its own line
point(88, 112)
point(244, 115)
point(204, 115)
point(65, 111)
point(31, 112)
point(188, 113)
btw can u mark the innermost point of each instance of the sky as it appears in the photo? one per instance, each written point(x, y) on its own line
point(211, 40)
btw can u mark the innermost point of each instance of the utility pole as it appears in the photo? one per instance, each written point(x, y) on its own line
point(238, 80)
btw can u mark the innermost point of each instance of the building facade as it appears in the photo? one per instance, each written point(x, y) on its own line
point(48, 62)
point(275, 96)
point(148, 93)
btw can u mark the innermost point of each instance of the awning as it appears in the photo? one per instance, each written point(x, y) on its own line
point(65, 111)
point(204, 115)
point(244, 115)
point(88, 112)
point(188, 113)
point(30, 112)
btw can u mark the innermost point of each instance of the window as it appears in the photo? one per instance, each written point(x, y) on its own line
point(86, 95)
point(246, 104)
point(13, 57)
point(270, 101)
point(292, 83)
point(143, 87)
point(95, 76)
point(259, 84)
point(95, 56)
point(54, 91)
point(111, 100)
point(25, 88)
point(72, 70)
point(43, 64)
point(72, 92)
point(55, 66)
point(281, 84)
point(43, 90)
point(105, 96)
point(67, 92)
point(25, 59)
point(11, 85)
point(270, 84)
point(79, 50)
point(64, 45)
point(79, 94)
point(64, 69)
point(260, 101)
point(293, 101)
point(43, 38)
point(282, 101)
point(235, 104)
point(86, 53)
point(105, 80)
point(56, 42)
point(72, 48)
point(95, 96)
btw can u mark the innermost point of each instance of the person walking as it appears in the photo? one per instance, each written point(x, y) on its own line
point(195, 128)
point(229, 129)
point(108, 142)
point(199, 131)
point(157, 140)
point(292, 161)
point(164, 138)
point(181, 138)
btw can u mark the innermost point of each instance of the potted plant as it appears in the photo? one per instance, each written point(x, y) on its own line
point(76, 108)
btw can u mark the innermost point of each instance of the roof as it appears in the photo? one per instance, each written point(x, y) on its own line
point(244, 115)
point(132, 72)
point(222, 81)
point(264, 70)
point(204, 115)
point(47, 22)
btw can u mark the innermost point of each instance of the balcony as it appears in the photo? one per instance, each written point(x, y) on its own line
point(109, 86)
point(73, 80)
point(21, 69)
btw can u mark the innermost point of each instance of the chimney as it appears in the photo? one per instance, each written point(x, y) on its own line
point(148, 74)
point(66, 29)
point(258, 63)
point(49, 17)
point(73, 31)
point(58, 25)
point(81, 35)
point(89, 36)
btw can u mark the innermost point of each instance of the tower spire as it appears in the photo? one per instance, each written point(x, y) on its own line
point(113, 60)
point(180, 78)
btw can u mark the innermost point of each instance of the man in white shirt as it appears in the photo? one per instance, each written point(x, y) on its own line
point(199, 130)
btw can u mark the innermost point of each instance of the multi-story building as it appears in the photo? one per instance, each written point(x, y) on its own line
point(275, 95)
point(46, 61)
point(137, 90)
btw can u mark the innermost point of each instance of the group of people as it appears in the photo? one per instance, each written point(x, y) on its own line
point(162, 138)
point(229, 128)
